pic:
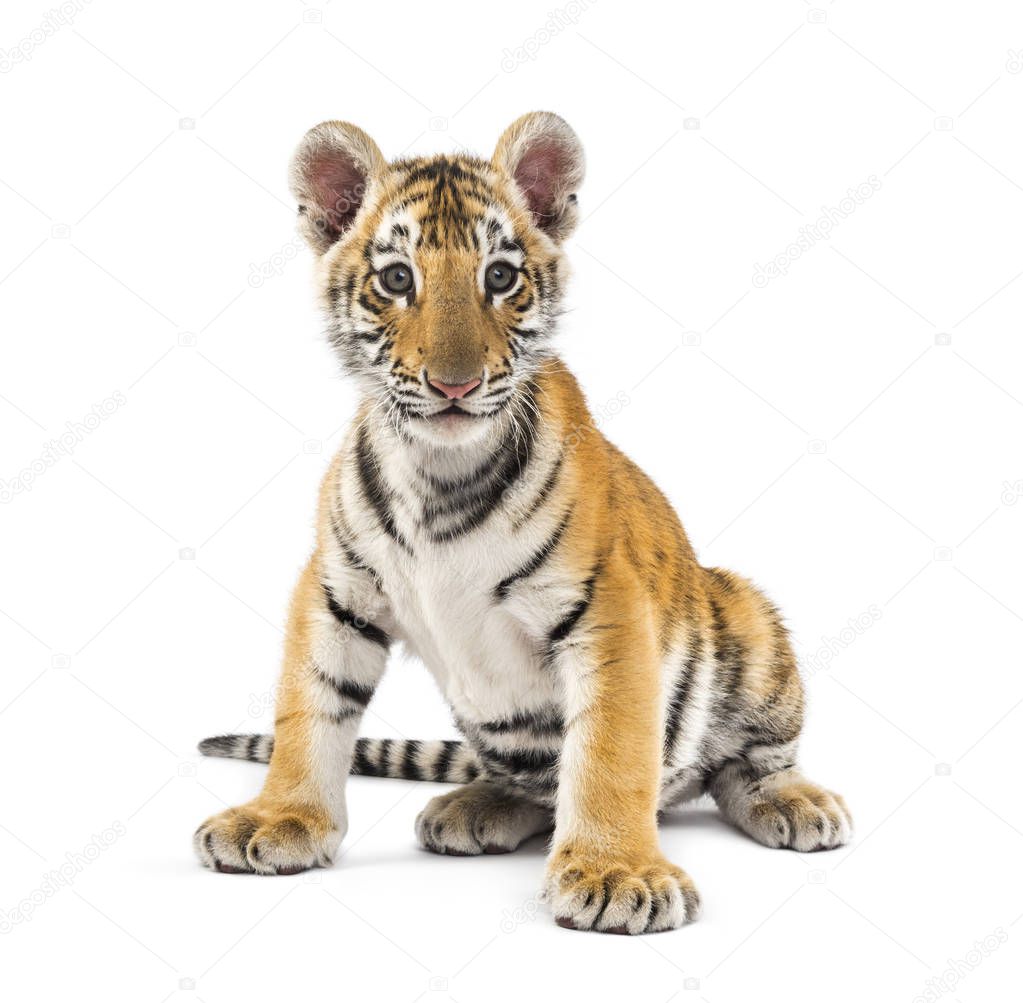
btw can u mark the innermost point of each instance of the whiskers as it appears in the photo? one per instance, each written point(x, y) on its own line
point(509, 410)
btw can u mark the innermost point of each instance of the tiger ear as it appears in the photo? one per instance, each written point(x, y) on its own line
point(544, 157)
point(329, 174)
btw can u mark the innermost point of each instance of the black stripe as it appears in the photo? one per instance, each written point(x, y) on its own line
point(519, 760)
point(356, 693)
point(535, 562)
point(218, 745)
point(544, 491)
point(340, 716)
point(384, 757)
point(728, 652)
point(604, 903)
point(354, 559)
point(680, 697)
point(253, 745)
point(512, 462)
point(548, 723)
point(564, 628)
point(440, 767)
point(468, 492)
point(369, 307)
point(374, 491)
point(409, 768)
point(575, 614)
point(539, 782)
point(362, 765)
point(458, 485)
point(349, 619)
point(769, 726)
point(539, 280)
point(346, 688)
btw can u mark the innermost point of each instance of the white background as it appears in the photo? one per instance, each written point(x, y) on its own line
point(848, 435)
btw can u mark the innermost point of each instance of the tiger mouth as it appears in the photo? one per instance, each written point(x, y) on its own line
point(453, 411)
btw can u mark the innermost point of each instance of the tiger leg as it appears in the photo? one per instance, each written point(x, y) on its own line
point(333, 661)
point(774, 803)
point(481, 817)
point(762, 791)
point(606, 871)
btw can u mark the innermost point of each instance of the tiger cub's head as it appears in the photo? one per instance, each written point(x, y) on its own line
point(440, 276)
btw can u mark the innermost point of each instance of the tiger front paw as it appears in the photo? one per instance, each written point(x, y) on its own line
point(481, 817)
point(258, 839)
point(593, 892)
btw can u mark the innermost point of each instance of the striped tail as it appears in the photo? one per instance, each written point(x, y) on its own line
point(441, 761)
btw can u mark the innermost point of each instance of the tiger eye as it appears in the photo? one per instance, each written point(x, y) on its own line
point(397, 279)
point(499, 277)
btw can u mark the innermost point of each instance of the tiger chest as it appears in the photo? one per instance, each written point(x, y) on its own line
point(476, 647)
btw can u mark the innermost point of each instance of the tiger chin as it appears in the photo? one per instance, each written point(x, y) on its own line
point(597, 673)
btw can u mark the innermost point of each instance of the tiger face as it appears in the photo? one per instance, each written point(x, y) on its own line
point(441, 277)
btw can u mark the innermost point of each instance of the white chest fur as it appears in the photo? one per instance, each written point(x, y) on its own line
point(486, 652)
point(479, 653)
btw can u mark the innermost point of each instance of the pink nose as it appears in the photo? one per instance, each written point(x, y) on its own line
point(455, 391)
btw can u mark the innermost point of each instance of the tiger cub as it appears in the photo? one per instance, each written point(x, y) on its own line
point(597, 672)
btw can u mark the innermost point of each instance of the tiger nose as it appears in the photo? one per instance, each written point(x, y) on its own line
point(455, 391)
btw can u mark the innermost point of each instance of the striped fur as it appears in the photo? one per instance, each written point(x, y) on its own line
point(439, 761)
point(597, 672)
